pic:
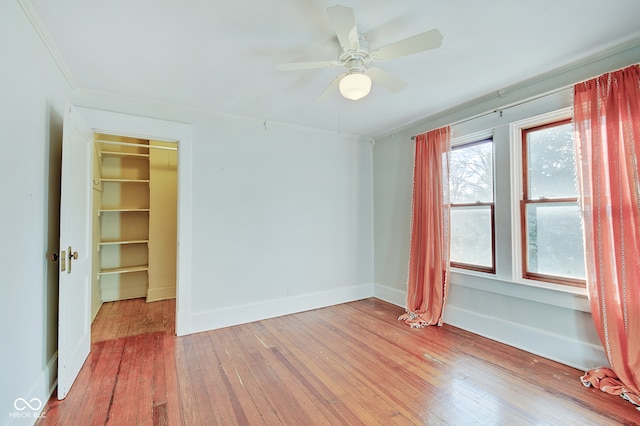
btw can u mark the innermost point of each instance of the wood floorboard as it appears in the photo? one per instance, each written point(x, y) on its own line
point(171, 385)
point(228, 400)
point(345, 399)
point(158, 373)
point(185, 385)
point(209, 394)
point(121, 398)
point(317, 394)
point(234, 362)
point(349, 364)
point(250, 368)
point(103, 381)
point(359, 351)
point(310, 398)
point(408, 366)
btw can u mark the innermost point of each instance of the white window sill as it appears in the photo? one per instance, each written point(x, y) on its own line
point(542, 292)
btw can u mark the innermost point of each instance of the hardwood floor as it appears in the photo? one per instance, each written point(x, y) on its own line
point(133, 317)
point(348, 364)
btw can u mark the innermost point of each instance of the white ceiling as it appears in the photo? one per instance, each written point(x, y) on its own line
point(220, 54)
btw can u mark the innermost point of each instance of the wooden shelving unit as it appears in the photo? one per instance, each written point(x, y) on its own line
point(124, 218)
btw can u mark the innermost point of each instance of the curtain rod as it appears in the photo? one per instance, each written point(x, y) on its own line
point(524, 101)
point(136, 145)
point(508, 106)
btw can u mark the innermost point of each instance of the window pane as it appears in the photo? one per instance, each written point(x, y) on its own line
point(554, 244)
point(471, 235)
point(471, 173)
point(551, 161)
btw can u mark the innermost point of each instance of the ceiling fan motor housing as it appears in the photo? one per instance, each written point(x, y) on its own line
point(355, 60)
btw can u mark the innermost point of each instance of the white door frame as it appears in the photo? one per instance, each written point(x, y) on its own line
point(108, 122)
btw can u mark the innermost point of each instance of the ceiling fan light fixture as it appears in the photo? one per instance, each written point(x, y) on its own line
point(355, 86)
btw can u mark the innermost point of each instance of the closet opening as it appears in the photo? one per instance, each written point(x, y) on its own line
point(134, 236)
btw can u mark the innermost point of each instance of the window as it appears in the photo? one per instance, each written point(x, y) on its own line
point(552, 238)
point(472, 206)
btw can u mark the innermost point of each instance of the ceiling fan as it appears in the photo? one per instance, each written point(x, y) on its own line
point(355, 83)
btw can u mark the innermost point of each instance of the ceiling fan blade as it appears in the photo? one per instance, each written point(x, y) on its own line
point(343, 21)
point(386, 80)
point(331, 88)
point(418, 43)
point(295, 66)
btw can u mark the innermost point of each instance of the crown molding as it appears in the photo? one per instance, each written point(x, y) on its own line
point(615, 57)
point(168, 110)
point(32, 14)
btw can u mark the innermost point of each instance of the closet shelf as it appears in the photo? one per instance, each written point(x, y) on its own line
point(129, 269)
point(114, 180)
point(113, 243)
point(119, 154)
point(117, 210)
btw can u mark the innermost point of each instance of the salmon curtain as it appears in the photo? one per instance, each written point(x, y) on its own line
point(429, 251)
point(607, 125)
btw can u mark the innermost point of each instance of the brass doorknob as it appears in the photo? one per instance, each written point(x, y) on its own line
point(74, 255)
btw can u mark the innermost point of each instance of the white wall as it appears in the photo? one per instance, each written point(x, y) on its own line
point(287, 213)
point(32, 101)
point(555, 321)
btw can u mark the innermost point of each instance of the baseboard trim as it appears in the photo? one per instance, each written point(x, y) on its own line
point(577, 354)
point(114, 291)
point(241, 314)
point(162, 293)
point(571, 352)
point(391, 295)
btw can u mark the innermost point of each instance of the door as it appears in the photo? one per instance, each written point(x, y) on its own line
point(74, 310)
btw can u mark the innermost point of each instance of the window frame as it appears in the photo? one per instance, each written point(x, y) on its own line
point(460, 144)
point(525, 201)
